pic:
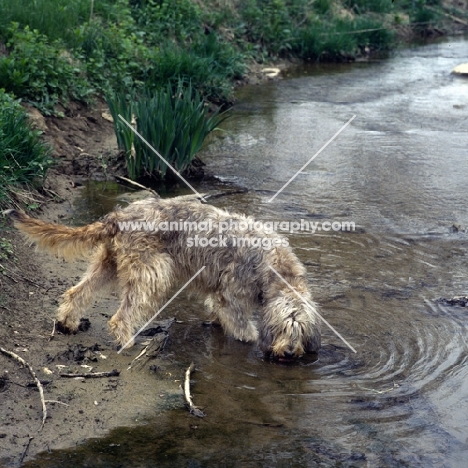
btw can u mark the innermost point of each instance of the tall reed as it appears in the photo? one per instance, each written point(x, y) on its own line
point(174, 120)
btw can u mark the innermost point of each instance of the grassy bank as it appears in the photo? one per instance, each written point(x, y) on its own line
point(55, 51)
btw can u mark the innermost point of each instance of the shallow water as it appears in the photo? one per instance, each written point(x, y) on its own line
point(398, 171)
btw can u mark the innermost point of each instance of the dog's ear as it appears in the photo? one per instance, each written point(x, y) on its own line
point(266, 339)
point(314, 342)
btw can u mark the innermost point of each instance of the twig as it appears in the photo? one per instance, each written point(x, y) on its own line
point(136, 184)
point(93, 375)
point(25, 451)
point(58, 402)
point(52, 334)
point(3, 269)
point(151, 351)
point(31, 281)
point(55, 194)
point(188, 399)
point(38, 382)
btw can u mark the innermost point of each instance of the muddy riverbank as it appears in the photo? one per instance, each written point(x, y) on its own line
point(398, 172)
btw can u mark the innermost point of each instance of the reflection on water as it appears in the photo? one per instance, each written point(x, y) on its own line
point(399, 172)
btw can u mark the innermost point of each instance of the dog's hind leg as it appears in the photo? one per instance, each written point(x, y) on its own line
point(101, 273)
point(145, 286)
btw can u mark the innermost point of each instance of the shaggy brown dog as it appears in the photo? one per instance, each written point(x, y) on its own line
point(146, 263)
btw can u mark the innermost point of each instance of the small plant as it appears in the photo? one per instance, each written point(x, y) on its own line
point(6, 249)
point(40, 72)
point(24, 158)
point(174, 121)
point(268, 22)
point(6, 252)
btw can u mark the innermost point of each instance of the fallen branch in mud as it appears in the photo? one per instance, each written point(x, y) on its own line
point(4, 268)
point(188, 398)
point(52, 333)
point(93, 375)
point(136, 184)
point(25, 451)
point(57, 402)
point(151, 351)
point(19, 359)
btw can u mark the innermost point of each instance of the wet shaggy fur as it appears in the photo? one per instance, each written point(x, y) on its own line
point(146, 266)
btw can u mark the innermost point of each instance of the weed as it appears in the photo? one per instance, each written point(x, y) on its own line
point(24, 158)
point(39, 71)
point(174, 121)
point(6, 249)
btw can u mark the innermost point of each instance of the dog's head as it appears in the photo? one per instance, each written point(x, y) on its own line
point(290, 328)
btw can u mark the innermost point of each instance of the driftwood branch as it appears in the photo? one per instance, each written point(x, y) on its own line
point(137, 185)
point(93, 375)
point(188, 398)
point(19, 359)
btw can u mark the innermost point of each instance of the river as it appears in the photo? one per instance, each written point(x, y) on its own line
point(398, 171)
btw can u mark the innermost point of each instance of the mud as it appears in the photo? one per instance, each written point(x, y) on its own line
point(30, 288)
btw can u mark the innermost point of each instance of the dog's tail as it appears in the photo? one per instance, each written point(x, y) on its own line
point(62, 240)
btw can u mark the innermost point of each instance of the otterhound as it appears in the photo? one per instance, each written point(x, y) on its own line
point(148, 247)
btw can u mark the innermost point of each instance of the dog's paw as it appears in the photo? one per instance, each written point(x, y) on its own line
point(84, 325)
point(211, 323)
point(66, 329)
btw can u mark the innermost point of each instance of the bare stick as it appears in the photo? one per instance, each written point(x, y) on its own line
point(93, 375)
point(188, 398)
point(136, 184)
point(25, 450)
point(58, 402)
point(52, 334)
point(4, 268)
point(38, 382)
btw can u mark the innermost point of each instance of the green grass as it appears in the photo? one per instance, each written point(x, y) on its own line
point(175, 121)
point(342, 38)
point(39, 71)
point(57, 19)
point(24, 158)
point(61, 50)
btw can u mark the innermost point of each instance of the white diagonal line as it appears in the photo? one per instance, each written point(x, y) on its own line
point(313, 309)
point(161, 309)
point(159, 155)
point(311, 159)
